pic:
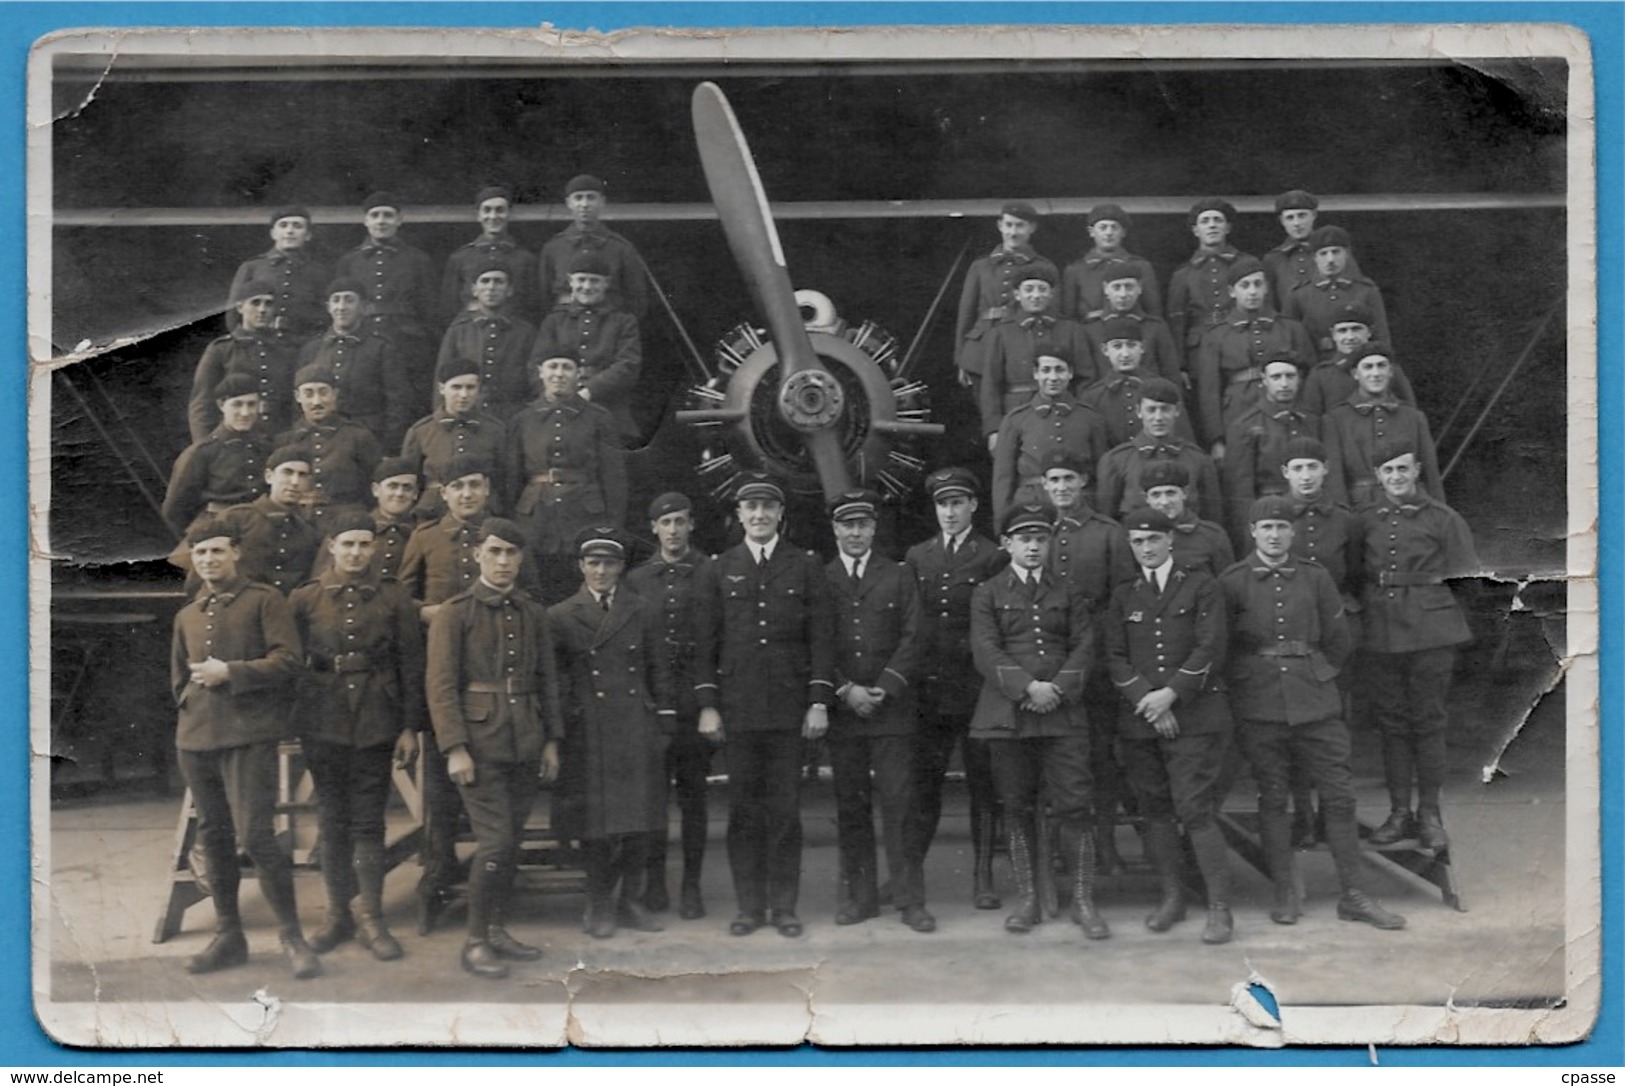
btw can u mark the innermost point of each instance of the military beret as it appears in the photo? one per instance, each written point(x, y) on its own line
point(1053, 350)
point(234, 385)
point(464, 464)
point(946, 482)
point(1325, 237)
point(1303, 448)
point(254, 288)
point(1270, 507)
point(1165, 473)
point(1120, 269)
point(584, 182)
point(1392, 448)
point(1280, 353)
point(317, 373)
point(1020, 209)
point(669, 502)
point(1038, 269)
point(381, 199)
point(391, 466)
point(1352, 313)
point(492, 264)
point(1122, 328)
point(213, 528)
point(1027, 518)
point(1159, 390)
point(1146, 519)
point(1062, 459)
point(454, 365)
point(1242, 267)
point(346, 285)
point(355, 520)
point(291, 212)
point(854, 505)
point(602, 540)
point(1211, 203)
point(1296, 200)
point(1109, 213)
point(1372, 349)
point(587, 262)
point(493, 192)
point(504, 529)
point(758, 486)
point(288, 454)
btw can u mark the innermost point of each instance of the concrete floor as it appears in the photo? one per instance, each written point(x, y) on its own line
point(101, 980)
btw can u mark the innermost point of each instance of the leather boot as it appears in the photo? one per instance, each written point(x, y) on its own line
point(1162, 845)
point(229, 947)
point(302, 961)
point(276, 884)
point(337, 927)
point(1400, 826)
point(1430, 829)
point(1107, 858)
point(369, 876)
point(482, 961)
point(631, 911)
point(1082, 856)
point(1027, 914)
point(1212, 857)
point(1358, 906)
point(1276, 832)
point(984, 895)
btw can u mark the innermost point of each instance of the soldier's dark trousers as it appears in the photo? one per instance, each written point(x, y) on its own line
point(441, 810)
point(234, 795)
point(1179, 778)
point(864, 767)
point(1409, 691)
point(1059, 765)
point(933, 750)
point(352, 789)
point(764, 820)
point(498, 803)
point(688, 762)
point(1323, 749)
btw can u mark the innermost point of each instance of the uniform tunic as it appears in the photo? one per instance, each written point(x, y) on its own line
point(1326, 531)
point(1411, 549)
point(342, 456)
point(1255, 452)
point(263, 357)
point(371, 387)
point(628, 280)
point(249, 626)
point(948, 680)
point(1160, 358)
point(606, 344)
point(988, 297)
point(1083, 284)
point(1040, 426)
point(468, 260)
point(612, 686)
point(1090, 551)
point(400, 284)
point(565, 472)
point(435, 439)
point(439, 561)
point(1119, 486)
point(1199, 295)
point(1331, 383)
point(300, 306)
point(501, 345)
point(1292, 263)
point(1288, 640)
point(668, 588)
point(1201, 545)
point(1012, 348)
point(1020, 634)
point(1229, 374)
point(278, 544)
point(1174, 639)
point(1353, 432)
point(1116, 398)
point(225, 468)
point(1318, 304)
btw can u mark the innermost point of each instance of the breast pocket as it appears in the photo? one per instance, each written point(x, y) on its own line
point(477, 707)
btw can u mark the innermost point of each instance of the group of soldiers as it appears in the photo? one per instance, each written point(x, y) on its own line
point(1095, 660)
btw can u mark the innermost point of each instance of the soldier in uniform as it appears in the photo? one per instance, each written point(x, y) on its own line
point(1033, 642)
point(1256, 440)
point(363, 366)
point(1051, 420)
point(1121, 489)
point(764, 632)
point(494, 248)
point(1287, 642)
point(1369, 418)
point(457, 428)
point(1293, 261)
point(603, 339)
point(1165, 643)
point(872, 735)
point(487, 331)
point(989, 293)
point(296, 276)
point(585, 198)
point(1198, 544)
point(1317, 302)
point(1083, 284)
point(948, 567)
point(566, 472)
point(1122, 287)
point(235, 651)
point(1229, 373)
point(1122, 350)
point(497, 722)
point(618, 721)
point(226, 468)
point(358, 708)
point(254, 349)
point(277, 545)
point(1015, 343)
point(400, 286)
point(666, 582)
point(394, 491)
point(342, 453)
point(1414, 545)
point(1199, 290)
point(1331, 381)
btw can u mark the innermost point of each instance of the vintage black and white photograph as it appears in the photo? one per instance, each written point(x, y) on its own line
point(863, 537)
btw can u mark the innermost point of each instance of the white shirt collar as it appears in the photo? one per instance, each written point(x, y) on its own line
point(763, 552)
point(1160, 573)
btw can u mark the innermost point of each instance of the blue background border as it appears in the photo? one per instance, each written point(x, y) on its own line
point(21, 1040)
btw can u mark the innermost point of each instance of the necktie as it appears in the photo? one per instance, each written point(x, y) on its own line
point(603, 601)
point(857, 573)
point(953, 546)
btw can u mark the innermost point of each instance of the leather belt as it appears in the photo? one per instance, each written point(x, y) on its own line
point(346, 662)
point(995, 312)
point(1393, 578)
point(1286, 648)
point(560, 477)
point(506, 686)
point(1246, 376)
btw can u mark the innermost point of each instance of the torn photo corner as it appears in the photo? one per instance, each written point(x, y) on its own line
point(877, 166)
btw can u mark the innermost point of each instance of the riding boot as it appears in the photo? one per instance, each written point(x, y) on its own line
point(1275, 830)
point(1398, 768)
point(338, 926)
point(984, 893)
point(1078, 845)
point(369, 876)
point(229, 947)
point(1213, 859)
point(1162, 846)
point(276, 884)
point(1027, 914)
